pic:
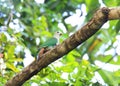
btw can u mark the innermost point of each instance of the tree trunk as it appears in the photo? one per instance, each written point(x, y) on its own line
point(99, 18)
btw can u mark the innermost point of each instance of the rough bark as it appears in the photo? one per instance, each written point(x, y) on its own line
point(99, 18)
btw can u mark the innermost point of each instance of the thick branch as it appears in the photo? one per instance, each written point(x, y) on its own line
point(99, 18)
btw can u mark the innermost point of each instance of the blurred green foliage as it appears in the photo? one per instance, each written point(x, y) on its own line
point(32, 23)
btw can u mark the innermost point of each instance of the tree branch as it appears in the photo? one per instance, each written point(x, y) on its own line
point(99, 18)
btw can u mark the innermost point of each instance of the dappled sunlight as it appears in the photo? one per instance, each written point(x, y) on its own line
point(107, 66)
point(28, 58)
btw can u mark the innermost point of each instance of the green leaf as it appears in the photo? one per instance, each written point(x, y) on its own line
point(58, 84)
point(10, 51)
point(2, 18)
point(2, 80)
point(109, 58)
point(72, 55)
point(12, 67)
point(46, 33)
point(114, 2)
point(117, 73)
point(117, 27)
point(91, 7)
point(78, 83)
point(3, 37)
point(69, 67)
point(109, 77)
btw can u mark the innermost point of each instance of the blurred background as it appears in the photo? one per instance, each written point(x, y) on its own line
point(26, 24)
